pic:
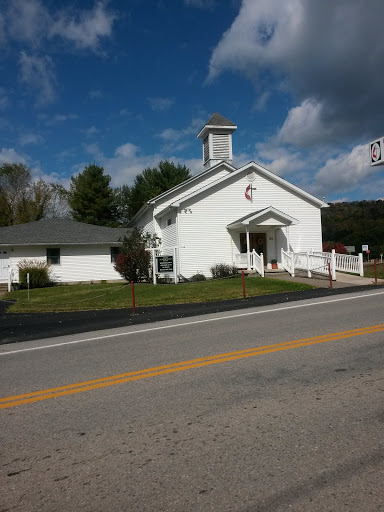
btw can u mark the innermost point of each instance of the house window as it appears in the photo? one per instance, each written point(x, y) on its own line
point(115, 251)
point(53, 256)
point(169, 222)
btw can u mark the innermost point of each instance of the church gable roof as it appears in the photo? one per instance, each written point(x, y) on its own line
point(263, 172)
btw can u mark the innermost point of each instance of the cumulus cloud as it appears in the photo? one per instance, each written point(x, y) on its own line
point(328, 54)
point(128, 160)
point(10, 155)
point(346, 171)
point(38, 74)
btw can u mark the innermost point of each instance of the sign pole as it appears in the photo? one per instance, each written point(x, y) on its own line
point(374, 264)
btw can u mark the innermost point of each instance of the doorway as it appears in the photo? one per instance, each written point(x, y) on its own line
point(256, 242)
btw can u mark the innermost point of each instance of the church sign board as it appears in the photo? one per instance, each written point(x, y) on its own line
point(164, 264)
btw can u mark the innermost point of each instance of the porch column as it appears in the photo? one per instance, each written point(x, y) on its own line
point(248, 251)
point(288, 241)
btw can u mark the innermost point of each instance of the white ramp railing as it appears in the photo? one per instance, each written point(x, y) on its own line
point(348, 263)
point(250, 261)
point(314, 263)
point(287, 262)
point(257, 262)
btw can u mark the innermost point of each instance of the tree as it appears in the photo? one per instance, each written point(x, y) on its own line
point(339, 248)
point(134, 261)
point(91, 198)
point(152, 182)
point(22, 199)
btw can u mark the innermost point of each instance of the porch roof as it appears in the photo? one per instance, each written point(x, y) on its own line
point(266, 217)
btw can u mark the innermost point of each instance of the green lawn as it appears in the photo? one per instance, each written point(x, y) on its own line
point(110, 296)
point(369, 270)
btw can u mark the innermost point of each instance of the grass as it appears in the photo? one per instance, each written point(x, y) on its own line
point(114, 296)
point(369, 270)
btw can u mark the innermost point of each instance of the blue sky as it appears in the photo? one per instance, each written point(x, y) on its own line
point(126, 83)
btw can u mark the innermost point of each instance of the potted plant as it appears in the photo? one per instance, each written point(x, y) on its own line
point(274, 264)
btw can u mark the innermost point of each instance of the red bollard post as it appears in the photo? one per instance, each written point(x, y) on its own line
point(133, 298)
point(374, 264)
point(330, 275)
point(242, 277)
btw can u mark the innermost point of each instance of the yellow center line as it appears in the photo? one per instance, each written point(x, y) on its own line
point(103, 382)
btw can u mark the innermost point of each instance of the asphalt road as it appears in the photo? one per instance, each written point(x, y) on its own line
point(155, 418)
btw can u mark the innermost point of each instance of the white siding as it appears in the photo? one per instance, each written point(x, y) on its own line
point(169, 236)
point(207, 241)
point(77, 263)
point(146, 222)
point(218, 173)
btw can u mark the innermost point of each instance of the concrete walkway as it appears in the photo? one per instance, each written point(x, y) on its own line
point(342, 280)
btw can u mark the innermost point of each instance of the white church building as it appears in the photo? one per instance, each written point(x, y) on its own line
point(246, 217)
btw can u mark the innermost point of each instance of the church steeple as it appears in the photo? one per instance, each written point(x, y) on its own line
point(217, 140)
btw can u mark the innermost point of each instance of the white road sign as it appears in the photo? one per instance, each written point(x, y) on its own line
point(364, 248)
point(376, 149)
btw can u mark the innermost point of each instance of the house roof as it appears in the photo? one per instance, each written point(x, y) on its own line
point(60, 232)
point(217, 121)
point(255, 216)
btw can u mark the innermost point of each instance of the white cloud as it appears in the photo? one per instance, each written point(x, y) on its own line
point(326, 54)
point(177, 140)
point(27, 20)
point(128, 161)
point(87, 28)
point(31, 139)
point(10, 155)
point(345, 172)
point(91, 131)
point(38, 75)
point(161, 104)
point(4, 100)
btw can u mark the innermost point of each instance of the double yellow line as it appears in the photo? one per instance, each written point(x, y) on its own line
point(80, 387)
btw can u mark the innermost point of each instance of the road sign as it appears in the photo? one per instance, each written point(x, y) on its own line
point(364, 248)
point(376, 149)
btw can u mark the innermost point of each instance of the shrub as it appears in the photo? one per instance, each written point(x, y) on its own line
point(40, 273)
point(197, 277)
point(220, 270)
point(339, 247)
point(134, 261)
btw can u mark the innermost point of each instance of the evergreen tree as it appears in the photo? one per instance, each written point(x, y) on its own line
point(91, 198)
point(152, 182)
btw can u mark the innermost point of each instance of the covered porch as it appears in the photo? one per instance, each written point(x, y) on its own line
point(259, 237)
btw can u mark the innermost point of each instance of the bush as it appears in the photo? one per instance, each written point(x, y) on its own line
point(40, 274)
point(339, 247)
point(220, 270)
point(134, 261)
point(197, 277)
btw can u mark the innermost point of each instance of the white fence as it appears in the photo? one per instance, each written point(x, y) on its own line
point(322, 263)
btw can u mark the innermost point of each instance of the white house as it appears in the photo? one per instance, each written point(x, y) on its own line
point(229, 215)
point(75, 251)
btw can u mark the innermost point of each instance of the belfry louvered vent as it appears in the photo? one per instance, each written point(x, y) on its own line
point(206, 149)
point(220, 143)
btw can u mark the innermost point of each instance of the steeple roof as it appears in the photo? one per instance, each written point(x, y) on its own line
point(217, 121)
